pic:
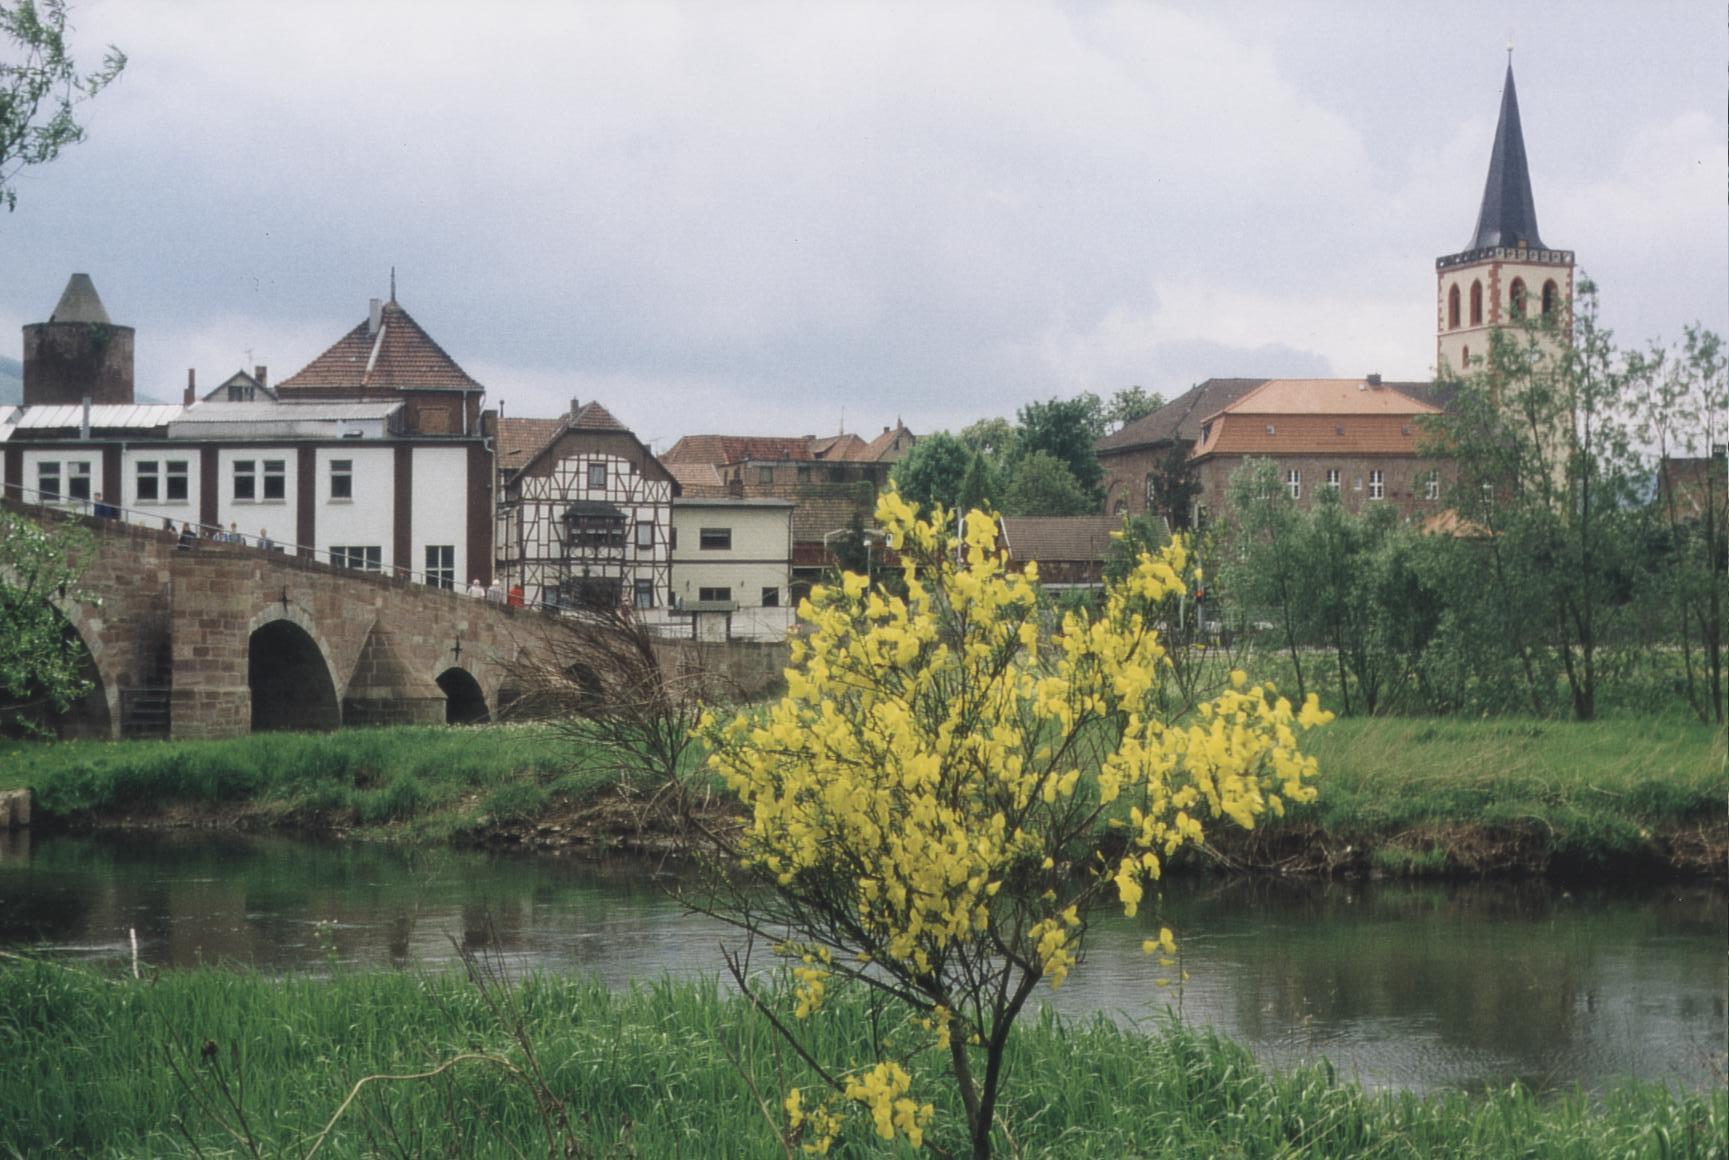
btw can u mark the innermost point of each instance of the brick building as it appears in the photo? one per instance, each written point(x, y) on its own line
point(1360, 437)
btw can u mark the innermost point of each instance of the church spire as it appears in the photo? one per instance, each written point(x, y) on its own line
point(1509, 214)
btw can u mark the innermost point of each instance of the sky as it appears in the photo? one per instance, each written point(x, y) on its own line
point(780, 218)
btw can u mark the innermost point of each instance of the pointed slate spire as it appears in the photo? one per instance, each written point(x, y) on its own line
point(1509, 214)
point(79, 302)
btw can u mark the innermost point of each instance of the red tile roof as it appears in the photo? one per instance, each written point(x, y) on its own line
point(519, 439)
point(697, 479)
point(1234, 434)
point(1325, 397)
point(401, 356)
point(891, 445)
point(720, 449)
point(594, 417)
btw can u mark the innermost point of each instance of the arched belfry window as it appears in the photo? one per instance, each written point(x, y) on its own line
point(1516, 298)
point(1476, 303)
point(1453, 307)
point(1551, 298)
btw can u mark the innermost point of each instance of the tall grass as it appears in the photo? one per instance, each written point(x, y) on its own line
point(440, 778)
point(88, 1066)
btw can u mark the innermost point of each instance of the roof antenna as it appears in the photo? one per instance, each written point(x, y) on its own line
point(393, 268)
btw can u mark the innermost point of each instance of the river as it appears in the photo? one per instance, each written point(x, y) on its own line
point(1403, 985)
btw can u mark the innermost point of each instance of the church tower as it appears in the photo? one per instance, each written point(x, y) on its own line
point(1506, 274)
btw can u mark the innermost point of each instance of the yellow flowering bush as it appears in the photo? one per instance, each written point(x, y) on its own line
point(956, 774)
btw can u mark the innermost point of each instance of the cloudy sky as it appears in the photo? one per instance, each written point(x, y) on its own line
point(757, 217)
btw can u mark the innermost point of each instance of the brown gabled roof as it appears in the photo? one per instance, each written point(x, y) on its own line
point(1325, 397)
point(722, 449)
point(697, 479)
point(594, 417)
point(884, 449)
point(845, 446)
point(1238, 434)
point(1179, 419)
point(1052, 538)
point(400, 356)
point(519, 439)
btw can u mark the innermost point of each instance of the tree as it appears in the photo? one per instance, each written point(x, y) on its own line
point(928, 806)
point(40, 663)
point(41, 87)
point(935, 471)
point(1546, 467)
point(1125, 407)
point(1174, 486)
point(1039, 484)
point(1268, 574)
point(1062, 428)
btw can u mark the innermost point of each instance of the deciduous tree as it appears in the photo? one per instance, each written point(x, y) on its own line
point(41, 87)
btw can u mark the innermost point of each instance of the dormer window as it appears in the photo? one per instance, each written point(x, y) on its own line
point(1271, 430)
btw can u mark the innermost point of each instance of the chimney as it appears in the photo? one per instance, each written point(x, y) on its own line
point(191, 385)
point(262, 374)
point(84, 424)
point(575, 406)
point(374, 317)
point(1374, 380)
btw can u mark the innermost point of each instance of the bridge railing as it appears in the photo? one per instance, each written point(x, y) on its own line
point(190, 534)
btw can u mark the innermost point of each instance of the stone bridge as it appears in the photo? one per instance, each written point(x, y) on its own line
point(225, 639)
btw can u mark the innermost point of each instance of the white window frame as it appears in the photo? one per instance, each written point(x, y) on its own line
point(597, 469)
point(704, 535)
point(440, 571)
point(50, 483)
point(1432, 486)
point(177, 477)
point(1333, 478)
point(147, 471)
point(246, 470)
point(343, 470)
point(78, 481)
point(724, 594)
point(645, 533)
point(1294, 482)
point(360, 557)
point(642, 594)
point(274, 480)
point(1377, 484)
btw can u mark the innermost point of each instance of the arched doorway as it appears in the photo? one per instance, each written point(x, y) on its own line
point(30, 712)
point(291, 686)
point(464, 703)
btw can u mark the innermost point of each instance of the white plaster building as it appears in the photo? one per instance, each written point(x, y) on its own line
point(732, 567)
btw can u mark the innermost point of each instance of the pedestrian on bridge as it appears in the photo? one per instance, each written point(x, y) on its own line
point(265, 543)
point(188, 537)
point(476, 589)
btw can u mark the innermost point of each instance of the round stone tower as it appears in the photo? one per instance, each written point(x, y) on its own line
point(78, 352)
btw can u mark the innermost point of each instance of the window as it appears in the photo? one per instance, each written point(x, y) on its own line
point(644, 596)
point(1453, 307)
point(1465, 356)
point(177, 480)
point(441, 566)
point(672, 537)
point(48, 481)
point(771, 597)
point(1476, 304)
point(1294, 483)
point(149, 481)
point(715, 539)
point(366, 559)
point(1356, 483)
point(245, 479)
point(1516, 298)
point(597, 476)
point(596, 530)
point(1333, 478)
point(1152, 489)
point(1377, 485)
point(644, 534)
point(275, 479)
point(78, 480)
point(1551, 298)
point(765, 475)
point(342, 479)
point(804, 475)
point(1432, 486)
point(717, 595)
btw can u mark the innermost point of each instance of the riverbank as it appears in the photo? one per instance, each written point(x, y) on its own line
point(668, 1069)
point(1626, 797)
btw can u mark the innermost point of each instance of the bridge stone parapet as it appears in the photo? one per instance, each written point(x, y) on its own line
point(231, 638)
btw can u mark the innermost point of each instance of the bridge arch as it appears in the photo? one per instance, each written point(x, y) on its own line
point(464, 702)
point(289, 674)
point(89, 716)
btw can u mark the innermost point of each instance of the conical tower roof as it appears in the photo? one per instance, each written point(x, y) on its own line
point(1509, 213)
point(79, 302)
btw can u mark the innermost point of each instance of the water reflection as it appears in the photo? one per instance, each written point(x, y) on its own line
point(1405, 985)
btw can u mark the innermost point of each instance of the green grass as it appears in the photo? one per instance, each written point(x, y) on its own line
point(87, 1067)
point(431, 781)
point(1585, 793)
